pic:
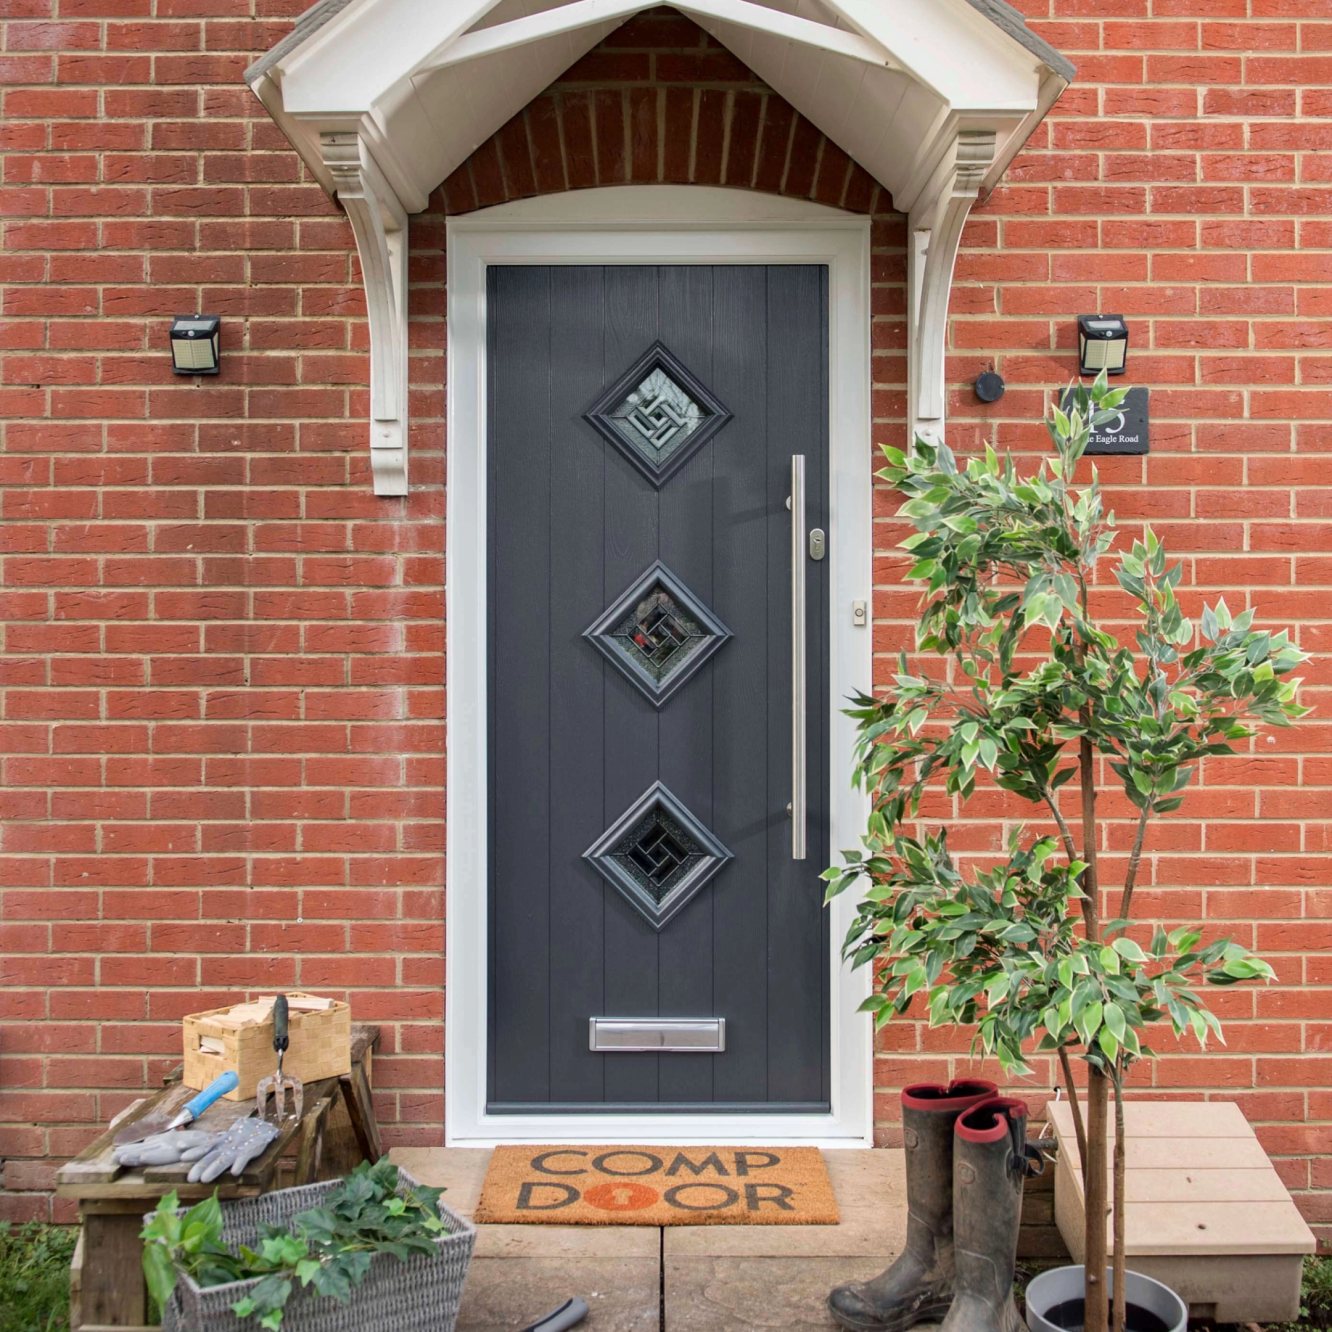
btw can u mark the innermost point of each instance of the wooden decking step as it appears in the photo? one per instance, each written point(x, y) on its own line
point(1205, 1212)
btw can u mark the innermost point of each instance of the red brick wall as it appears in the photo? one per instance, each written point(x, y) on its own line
point(222, 732)
point(1185, 182)
point(223, 729)
point(659, 101)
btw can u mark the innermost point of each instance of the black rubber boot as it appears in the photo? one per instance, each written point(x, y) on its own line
point(918, 1287)
point(990, 1160)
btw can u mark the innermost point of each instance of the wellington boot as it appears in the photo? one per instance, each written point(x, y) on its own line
point(990, 1160)
point(919, 1285)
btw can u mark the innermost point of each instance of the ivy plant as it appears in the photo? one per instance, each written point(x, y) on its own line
point(328, 1247)
point(1018, 683)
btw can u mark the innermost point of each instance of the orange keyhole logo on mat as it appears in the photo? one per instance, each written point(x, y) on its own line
point(621, 1197)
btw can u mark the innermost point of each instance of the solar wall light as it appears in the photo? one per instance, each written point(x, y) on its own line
point(1102, 344)
point(194, 344)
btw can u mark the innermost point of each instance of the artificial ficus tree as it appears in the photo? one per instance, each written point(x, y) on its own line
point(1031, 688)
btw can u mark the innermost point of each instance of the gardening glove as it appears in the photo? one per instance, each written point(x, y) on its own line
point(166, 1148)
point(236, 1148)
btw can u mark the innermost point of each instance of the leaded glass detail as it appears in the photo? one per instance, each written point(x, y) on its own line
point(658, 416)
point(657, 413)
point(658, 633)
point(657, 854)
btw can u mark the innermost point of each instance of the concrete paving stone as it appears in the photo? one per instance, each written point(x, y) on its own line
point(861, 1235)
point(865, 1178)
point(772, 1294)
point(458, 1170)
point(505, 1294)
point(569, 1242)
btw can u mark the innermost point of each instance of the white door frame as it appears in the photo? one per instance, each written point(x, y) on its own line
point(649, 224)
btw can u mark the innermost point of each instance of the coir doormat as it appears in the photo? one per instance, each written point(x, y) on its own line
point(658, 1186)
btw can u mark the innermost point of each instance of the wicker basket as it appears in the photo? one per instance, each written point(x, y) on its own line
point(320, 1047)
point(420, 1295)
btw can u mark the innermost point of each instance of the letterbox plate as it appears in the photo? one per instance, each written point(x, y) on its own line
point(657, 1035)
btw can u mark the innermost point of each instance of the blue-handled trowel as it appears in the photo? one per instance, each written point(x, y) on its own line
point(162, 1121)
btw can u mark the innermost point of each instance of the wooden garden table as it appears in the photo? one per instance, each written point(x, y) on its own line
point(107, 1290)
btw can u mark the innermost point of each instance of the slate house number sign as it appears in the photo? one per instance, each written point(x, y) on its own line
point(1127, 433)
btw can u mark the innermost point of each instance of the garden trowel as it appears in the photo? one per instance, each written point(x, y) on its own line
point(279, 1084)
point(161, 1121)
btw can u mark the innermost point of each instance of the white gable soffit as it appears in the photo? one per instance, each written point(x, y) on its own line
point(385, 98)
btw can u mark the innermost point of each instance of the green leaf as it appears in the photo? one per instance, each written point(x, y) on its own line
point(1199, 1025)
point(1113, 1017)
point(1129, 950)
point(271, 1293)
point(333, 1282)
point(159, 1272)
point(205, 1216)
point(1088, 1022)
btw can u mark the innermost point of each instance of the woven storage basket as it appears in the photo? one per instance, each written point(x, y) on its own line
point(420, 1295)
point(320, 1047)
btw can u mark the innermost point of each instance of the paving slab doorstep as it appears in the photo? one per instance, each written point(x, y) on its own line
point(715, 1279)
point(757, 1294)
point(505, 1294)
point(459, 1171)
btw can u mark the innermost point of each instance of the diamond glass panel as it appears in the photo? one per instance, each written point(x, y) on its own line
point(657, 854)
point(658, 633)
point(657, 417)
point(657, 413)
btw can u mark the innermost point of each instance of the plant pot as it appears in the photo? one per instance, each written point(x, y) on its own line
point(1160, 1309)
point(420, 1295)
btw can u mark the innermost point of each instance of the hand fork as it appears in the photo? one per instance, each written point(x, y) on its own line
point(279, 1083)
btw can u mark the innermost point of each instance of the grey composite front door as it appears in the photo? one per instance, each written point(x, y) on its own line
point(641, 427)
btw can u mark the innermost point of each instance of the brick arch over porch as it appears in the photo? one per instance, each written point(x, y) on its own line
point(659, 101)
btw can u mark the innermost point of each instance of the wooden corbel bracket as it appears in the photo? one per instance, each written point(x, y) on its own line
point(935, 228)
point(379, 223)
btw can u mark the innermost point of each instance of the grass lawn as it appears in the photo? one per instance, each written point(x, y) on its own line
point(34, 1277)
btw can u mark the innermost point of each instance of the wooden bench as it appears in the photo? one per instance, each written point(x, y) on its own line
point(336, 1129)
point(1205, 1212)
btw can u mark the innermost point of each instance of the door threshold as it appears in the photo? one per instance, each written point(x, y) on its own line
point(659, 1108)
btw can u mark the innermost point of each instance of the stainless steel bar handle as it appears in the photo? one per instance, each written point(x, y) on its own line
point(798, 675)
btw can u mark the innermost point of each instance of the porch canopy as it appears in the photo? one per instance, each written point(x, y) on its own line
point(383, 99)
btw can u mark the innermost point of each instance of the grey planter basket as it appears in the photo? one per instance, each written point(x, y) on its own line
point(420, 1295)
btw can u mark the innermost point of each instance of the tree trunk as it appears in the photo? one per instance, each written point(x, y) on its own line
point(1098, 1084)
point(1097, 1310)
point(1121, 1266)
point(1091, 878)
point(1076, 1106)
